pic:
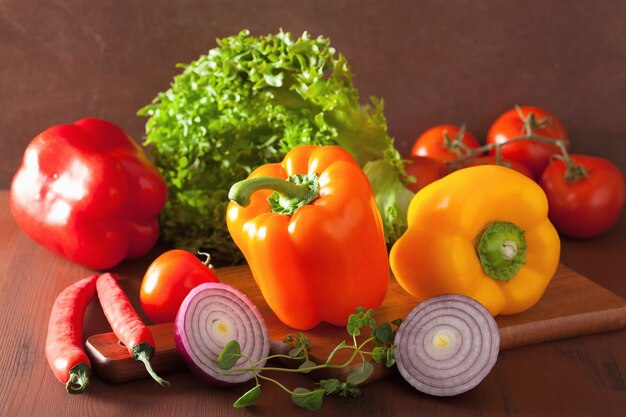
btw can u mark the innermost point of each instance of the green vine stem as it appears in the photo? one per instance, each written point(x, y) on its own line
point(272, 380)
point(573, 172)
point(531, 122)
point(464, 153)
point(357, 350)
point(475, 152)
point(456, 144)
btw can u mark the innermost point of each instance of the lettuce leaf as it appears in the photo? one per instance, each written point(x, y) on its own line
point(247, 102)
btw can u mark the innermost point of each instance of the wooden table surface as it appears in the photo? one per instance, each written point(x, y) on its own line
point(581, 376)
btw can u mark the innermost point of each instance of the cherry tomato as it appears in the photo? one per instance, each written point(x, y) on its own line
point(491, 160)
point(436, 143)
point(588, 206)
point(533, 154)
point(167, 282)
point(425, 170)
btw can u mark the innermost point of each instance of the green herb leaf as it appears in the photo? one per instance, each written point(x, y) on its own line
point(383, 333)
point(305, 365)
point(229, 356)
point(336, 387)
point(379, 353)
point(330, 386)
point(301, 343)
point(360, 374)
point(354, 325)
point(390, 359)
point(361, 318)
point(249, 398)
point(311, 400)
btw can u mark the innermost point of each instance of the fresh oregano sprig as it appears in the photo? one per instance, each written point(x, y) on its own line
point(381, 336)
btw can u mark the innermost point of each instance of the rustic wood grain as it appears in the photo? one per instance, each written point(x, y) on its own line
point(581, 376)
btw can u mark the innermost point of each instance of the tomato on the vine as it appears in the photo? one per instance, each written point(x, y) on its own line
point(586, 200)
point(535, 155)
point(438, 142)
point(425, 170)
point(167, 282)
point(491, 160)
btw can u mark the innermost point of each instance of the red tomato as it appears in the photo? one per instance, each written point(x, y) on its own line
point(491, 160)
point(167, 282)
point(588, 206)
point(433, 144)
point(533, 154)
point(425, 170)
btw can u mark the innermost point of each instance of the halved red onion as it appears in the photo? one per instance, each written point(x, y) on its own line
point(447, 345)
point(211, 316)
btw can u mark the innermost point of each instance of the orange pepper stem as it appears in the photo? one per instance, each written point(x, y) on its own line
point(501, 248)
point(289, 195)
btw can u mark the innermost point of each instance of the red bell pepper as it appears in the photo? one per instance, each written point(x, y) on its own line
point(87, 191)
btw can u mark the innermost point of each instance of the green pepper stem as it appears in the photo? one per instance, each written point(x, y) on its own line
point(143, 352)
point(242, 191)
point(78, 379)
point(289, 195)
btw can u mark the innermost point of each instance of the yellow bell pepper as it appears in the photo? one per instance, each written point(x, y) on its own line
point(482, 232)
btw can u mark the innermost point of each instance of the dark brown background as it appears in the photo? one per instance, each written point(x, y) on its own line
point(432, 62)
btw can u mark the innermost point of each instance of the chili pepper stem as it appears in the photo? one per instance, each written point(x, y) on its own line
point(143, 353)
point(289, 195)
point(78, 379)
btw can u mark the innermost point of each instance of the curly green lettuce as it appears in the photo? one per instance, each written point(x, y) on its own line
point(246, 103)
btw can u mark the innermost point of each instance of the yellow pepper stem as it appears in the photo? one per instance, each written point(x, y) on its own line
point(289, 195)
point(501, 248)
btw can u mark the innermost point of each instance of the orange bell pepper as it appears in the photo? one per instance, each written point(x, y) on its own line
point(312, 235)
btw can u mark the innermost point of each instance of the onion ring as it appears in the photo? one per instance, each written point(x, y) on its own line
point(447, 345)
point(212, 315)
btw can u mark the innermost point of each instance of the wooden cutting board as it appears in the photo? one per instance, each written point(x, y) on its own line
point(571, 306)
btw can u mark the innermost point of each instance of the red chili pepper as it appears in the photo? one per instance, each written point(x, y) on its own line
point(64, 342)
point(126, 324)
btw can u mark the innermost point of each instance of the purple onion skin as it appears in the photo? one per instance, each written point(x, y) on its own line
point(447, 300)
point(180, 335)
